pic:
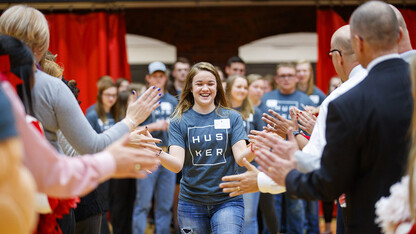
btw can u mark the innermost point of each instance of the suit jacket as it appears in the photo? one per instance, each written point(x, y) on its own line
point(367, 145)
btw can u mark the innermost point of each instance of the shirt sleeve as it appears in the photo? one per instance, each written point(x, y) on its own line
point(267, 185)
point(307, 162)
point(75, 127)
point(56, 175)
point(176, 137)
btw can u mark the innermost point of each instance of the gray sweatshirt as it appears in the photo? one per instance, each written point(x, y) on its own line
point(57, 109)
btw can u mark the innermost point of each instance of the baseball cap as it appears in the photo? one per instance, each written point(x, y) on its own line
point(156, 66)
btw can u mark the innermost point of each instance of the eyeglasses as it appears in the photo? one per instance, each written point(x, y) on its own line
point(332, 51)
point(108, 95)
point(289, 76)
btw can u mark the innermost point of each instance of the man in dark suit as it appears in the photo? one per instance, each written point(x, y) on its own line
point(367, 128)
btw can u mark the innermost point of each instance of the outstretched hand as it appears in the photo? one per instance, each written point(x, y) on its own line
point(132, 162)
point(241, 183)
point(140, 139)
point(279, 159)
point(139, 109)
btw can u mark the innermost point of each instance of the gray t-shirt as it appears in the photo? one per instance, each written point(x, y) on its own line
point(207, 140)
point(56, 108)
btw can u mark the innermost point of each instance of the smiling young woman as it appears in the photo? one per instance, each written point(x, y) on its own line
point(206, 140)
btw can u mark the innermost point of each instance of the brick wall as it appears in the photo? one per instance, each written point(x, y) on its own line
point(213, 34)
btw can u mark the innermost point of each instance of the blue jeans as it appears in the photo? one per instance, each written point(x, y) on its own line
point(311, 216)
point(251, 203)
point(294, 221)
point(227, 217)
point(162, 183)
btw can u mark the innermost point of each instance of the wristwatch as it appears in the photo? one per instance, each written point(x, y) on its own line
point(295, 133)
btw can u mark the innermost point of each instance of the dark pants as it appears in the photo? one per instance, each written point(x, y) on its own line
point(328, 209)
point(104, 224)
point(340, 220)
point(269, 216)
point(122, 196)
point(90, 225)
point(67, 223)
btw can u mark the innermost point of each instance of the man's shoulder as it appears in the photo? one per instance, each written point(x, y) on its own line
point(393, 65)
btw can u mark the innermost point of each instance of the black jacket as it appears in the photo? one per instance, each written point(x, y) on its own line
point(367, 145)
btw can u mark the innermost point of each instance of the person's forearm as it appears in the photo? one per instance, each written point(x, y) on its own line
point(248, 154)
point(152, 127)
point(170, 162)
point(301, 140)
point(74, 125)
point(55, 174)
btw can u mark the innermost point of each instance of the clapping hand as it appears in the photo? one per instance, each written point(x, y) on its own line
point(276, 156)
point(306, 121)
point(277, 124)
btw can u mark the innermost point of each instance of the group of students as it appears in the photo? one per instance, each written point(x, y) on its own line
point(210, 129)
point(207, 140)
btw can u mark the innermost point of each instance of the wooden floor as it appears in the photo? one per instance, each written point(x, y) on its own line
point(150, 227)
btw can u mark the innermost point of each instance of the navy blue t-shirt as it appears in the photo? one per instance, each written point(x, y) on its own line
point(7, 124)
point(282, 103)
point(254, 121)
point(207, 140)
point(162, 112)
point(97, 124)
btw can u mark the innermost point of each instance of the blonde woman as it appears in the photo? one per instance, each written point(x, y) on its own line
point(306, 84)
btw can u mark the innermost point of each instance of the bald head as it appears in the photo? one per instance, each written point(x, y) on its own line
point(341, 40)
point(399, 17)
point(376, 23)
point(404, 44)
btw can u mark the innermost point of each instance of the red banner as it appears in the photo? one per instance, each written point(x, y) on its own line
point(327, 22)
point(89, 46)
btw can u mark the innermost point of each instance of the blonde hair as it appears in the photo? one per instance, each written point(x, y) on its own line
point(52, 68)
point(187, 99)
point(28, 25)
point(412, 153)
point(246, 108)
point(309, 89)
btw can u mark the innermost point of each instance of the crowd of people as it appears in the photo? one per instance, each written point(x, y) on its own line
point(211, 152)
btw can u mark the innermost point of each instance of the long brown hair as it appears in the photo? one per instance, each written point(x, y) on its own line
point(99, 108)
point(187, 98)
point(412, 154)
point(309, 89)
point(246, 108)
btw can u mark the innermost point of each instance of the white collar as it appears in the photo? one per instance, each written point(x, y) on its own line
point(357, 69)
point(408, 55)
